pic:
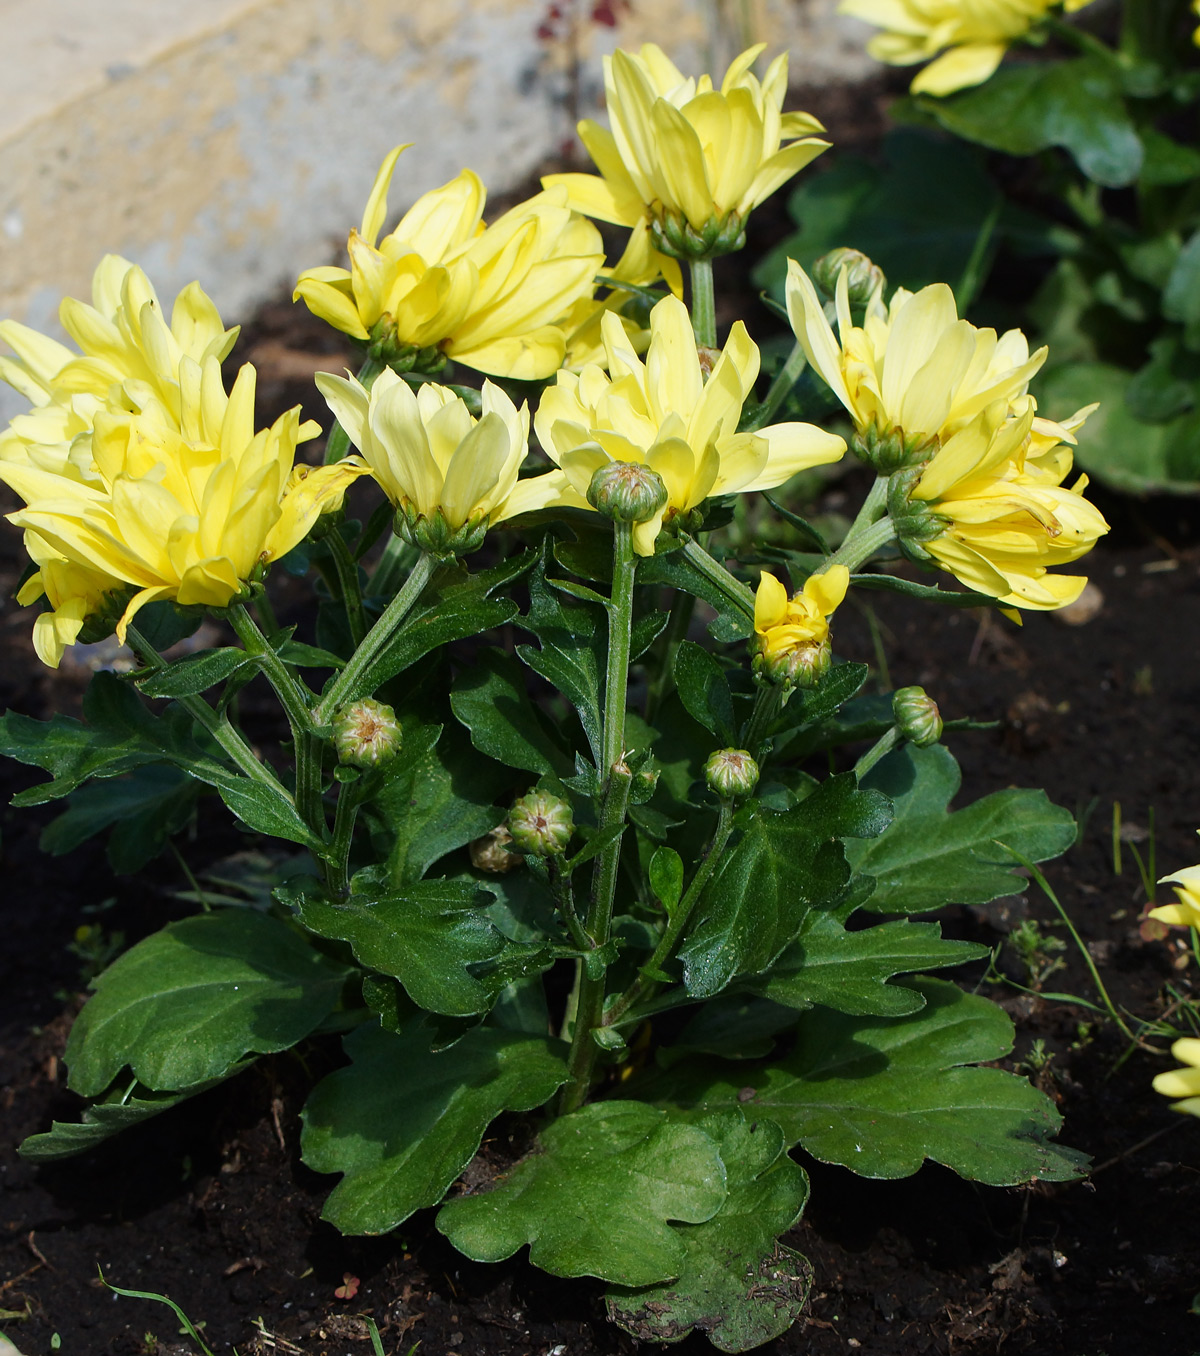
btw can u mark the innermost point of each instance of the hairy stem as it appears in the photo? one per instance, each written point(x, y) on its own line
point(704, 306)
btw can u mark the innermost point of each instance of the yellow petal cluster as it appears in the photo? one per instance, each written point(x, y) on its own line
point(1186, 911)
point(971, 35)
point(784, 625)
point(188, 512)
point(683, 154)
point(491, 298)
point(1183, 1082)
point(432, 458)
point(662, 413)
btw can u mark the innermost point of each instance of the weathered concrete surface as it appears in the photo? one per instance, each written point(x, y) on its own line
point(234, 141)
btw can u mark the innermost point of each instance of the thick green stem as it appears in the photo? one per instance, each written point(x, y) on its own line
point(704, 305)
point(361, 660)
point(338, 442)
point(781, 386)
point(618, 779)
point(348, 585)
point(337, 862)
point(883, 745)
point(733, 589)
point(873, 507)
point(858, 548)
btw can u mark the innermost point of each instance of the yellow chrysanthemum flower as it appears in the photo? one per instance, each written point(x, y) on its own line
point(189, 513)
point(490, 298)
point(684, 164)
point(792, 634)
point(913, 372)
point(1183, 1082)
point(972, 35)
point(73, 592)
point(663, 414)
point(1186, 911)
point(450, 475)
point(123, 336)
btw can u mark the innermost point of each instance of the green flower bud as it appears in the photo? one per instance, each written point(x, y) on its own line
point(917, 716)
point(540, 824)
point(864, 277)
point(627, 492)
point(801, 666)
point(730, 773)
point(366, 733)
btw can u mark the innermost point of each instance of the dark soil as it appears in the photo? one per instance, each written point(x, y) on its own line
point(211, 1205)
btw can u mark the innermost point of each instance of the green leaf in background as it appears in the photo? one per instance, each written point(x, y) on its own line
point(930, 856)
point(783, 865)
point(490, 698)
point(189, 1002)
point(673, 568)
point(849, 971)
point(704, 690)
point(1167, 385)
point(143, 808)
point(1024, 109)
point(194, 674)
point(880, 1095)
point(737, 1284)
point(426, 934)
point(1181, 296)
point(119, 1109)
point(402, 1122)
point(1130, 454)
point(596, 1196)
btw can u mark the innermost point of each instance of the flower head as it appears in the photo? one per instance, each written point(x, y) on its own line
point(791, 635)
point(971, 35)
point(1183, 1082)
point(662, 413)
point(684, 164)
point(190, 513)
point(450, 475)
point(366, 733)
point(1186, 910)
point(441, 284)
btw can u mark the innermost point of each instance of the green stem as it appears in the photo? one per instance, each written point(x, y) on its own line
point(766, 708)
point(781, 386)
point(338, 442)
point(337, 862)
point(348, 585)
point(233, 744)
point(872, 507)
point(376, 638)
point(859, 547)
point(882, 746)
point(704, 306)
point(733, 589)
point(396, 561)
point(589, 1013)
point(1084, 41)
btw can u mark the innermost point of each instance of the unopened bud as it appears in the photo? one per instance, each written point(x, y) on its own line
point(730, 773)
point(863, 277)
point(366, 733)
point(627, 492)
point(490, 853)
point(917, 716)
point(540, 824)
point(801, 666)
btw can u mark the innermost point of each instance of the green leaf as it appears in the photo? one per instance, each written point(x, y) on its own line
point(259, 807)
point(849, 971)
point(194, 674)
point(595, 1197)
point(704, 690)
point(402, 1122)
point(573, 645)
point(188, 1003)
point(930, 857)
point(737, 1284)
point(1181, 296)
point(783, 865)
point(666, 877)
point(491, 700)
point(302, 656)
point(1024, 109)
point(732, 623)
point(427, 935)
point(1167, 160)
point(836, 687)
point(117, 1110)
point(143, 808)
point(730, 1026)
point(880, 1095)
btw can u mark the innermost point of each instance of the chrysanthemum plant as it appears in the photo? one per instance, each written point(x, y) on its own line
point(605, 855)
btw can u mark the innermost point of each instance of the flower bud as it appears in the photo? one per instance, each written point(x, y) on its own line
point(366, 733)
point(801, 666)
point(730, 773)
point(890, 450)
point(863, 276)
point(490, 853)
point(917, 716)
point(627, 492)
point(540, 824)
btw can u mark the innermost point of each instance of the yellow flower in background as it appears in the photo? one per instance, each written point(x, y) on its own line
point(1183, 1082)
point(449, 474)
point(792, 634)
point(913, 372)
point(189, 513)
point(490, 297)
point(663, 414)
point(1186, 910)
point(123, 337)
point(1006, 518)
point(684, 164)
point(972, 35)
